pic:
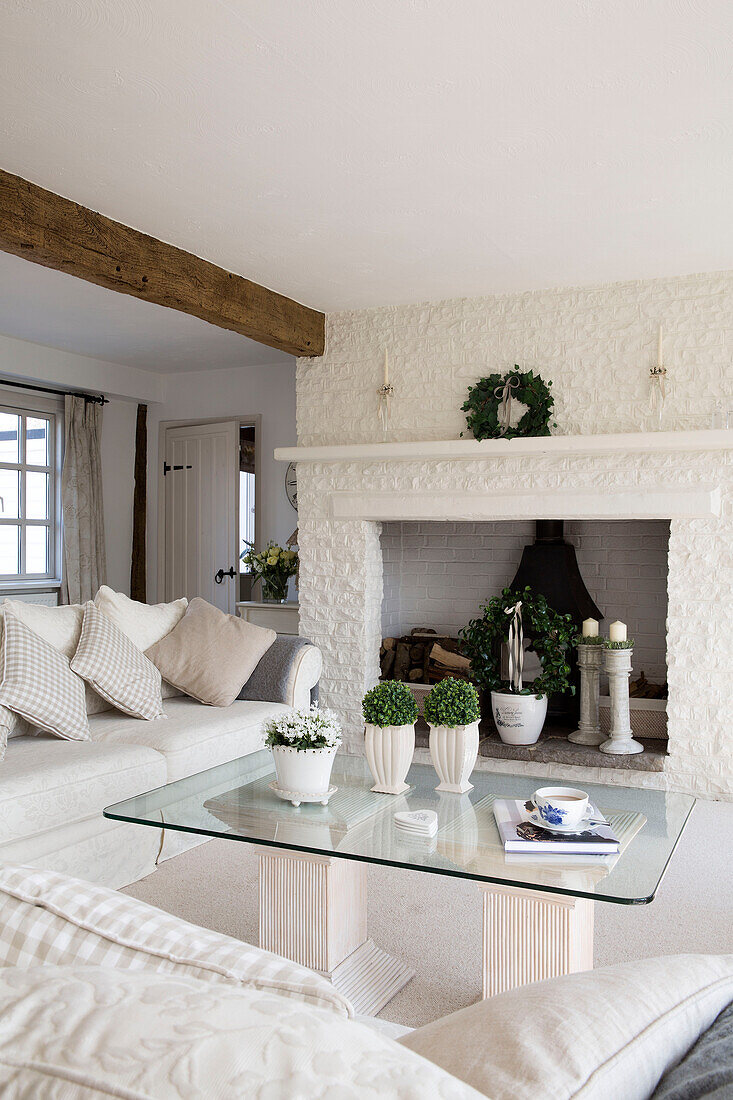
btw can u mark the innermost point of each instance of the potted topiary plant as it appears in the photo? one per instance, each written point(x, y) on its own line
point(519, 710)
point(304, 743)
point(452, 712)
point(390, 713)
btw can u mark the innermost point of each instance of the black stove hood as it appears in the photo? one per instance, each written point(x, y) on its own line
point(549, 566)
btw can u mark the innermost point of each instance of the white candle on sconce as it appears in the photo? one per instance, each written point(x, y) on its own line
point(590, 628)
point(386, 367)
point(660, 363)
point(617, 632)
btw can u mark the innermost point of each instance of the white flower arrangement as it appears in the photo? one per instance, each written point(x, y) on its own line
point(315, 728)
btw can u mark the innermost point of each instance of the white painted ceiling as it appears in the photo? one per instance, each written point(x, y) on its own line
point(61, 311)
point(364, 152)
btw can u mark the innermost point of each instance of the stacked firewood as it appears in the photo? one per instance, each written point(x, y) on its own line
point(645, 689)
point(422, 657)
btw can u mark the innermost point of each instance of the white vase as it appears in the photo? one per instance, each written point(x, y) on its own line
point(453, 750)
point(306, 771)
point(519, 718)
point(389, 752)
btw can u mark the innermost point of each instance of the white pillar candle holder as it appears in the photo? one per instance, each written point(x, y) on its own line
point(589, 728)
point(617, 663)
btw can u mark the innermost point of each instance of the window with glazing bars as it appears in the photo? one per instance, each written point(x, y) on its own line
point(30, 513)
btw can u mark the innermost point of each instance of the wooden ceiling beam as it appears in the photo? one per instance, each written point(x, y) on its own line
point(58, 233)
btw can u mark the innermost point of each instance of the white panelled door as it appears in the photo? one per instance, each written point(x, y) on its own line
point(201, 468)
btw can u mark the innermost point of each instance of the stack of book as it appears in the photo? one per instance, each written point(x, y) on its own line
point(520, 834)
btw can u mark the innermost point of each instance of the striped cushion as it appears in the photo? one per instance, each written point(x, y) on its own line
point(38, 684)
point(115, 667)
point(51, 919)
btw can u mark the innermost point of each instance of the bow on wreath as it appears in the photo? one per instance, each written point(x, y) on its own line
point(504, 412)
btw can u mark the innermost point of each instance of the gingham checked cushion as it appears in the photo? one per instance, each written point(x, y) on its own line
point(6, 719)
point(50, 919)
point(115, 667)
point(38, 684)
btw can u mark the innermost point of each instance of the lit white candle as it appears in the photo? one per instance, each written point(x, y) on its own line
point(590, 628)
point(386, 367)
point(660, 363)
point(617, 632)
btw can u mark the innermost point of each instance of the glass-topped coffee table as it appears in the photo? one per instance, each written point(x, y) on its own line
point(538, 910)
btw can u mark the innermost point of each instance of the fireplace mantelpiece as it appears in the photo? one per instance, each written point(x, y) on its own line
point(345, 491)
point(623, 443)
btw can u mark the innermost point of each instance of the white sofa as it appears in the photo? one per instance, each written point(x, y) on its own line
point(102, 995)
point(52, 792)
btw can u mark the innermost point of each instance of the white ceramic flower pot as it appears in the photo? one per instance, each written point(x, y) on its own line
point(453, 750)
point(519, 718)
point(306, 771)
point(389, 751)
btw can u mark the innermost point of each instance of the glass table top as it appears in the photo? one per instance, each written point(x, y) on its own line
point(234, 801)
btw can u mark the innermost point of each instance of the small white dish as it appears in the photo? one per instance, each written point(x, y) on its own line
point(296, 797)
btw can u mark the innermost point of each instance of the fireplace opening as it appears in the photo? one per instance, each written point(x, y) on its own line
point(438, 575)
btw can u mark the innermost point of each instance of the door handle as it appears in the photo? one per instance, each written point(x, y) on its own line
point(222, 573)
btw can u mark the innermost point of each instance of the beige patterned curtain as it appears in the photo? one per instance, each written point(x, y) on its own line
point(85, 559)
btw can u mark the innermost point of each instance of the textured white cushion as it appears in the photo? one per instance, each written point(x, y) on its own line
point(50, 918)
point(194, 737)
point(38, 684)
point(95, 1033)
point(597, 1035)
point(116, 668)
point(143, 623)
point(46, 783)
point(61, 627)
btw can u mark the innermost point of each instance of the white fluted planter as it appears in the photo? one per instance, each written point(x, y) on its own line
point(453, 750)
point(389, 752)
point(518, 718)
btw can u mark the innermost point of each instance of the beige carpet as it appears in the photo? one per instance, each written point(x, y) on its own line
point(434, 923)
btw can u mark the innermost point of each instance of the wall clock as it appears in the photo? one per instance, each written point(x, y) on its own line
point(291, 485)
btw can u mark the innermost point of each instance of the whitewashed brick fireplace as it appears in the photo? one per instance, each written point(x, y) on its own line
point(345, 493)
point(595, 344)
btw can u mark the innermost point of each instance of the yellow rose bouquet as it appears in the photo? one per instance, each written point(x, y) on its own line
point(273, 566)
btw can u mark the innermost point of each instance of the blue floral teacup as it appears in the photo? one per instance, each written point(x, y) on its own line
point(564, 806)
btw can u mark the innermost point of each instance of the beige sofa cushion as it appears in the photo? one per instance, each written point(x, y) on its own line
point(52, 919)
point(193, 737)
point(93, 1032)
point(37, 683)
point(46, 783)
point(210, 655)
point(597, 1035)
point(116, 668)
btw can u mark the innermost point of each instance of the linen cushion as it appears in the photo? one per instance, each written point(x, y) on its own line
point(52, 919)
point(706, 1071)
point(193, 737)
point(143, 623)
point(61, 627)
point(46, 783)
point(591, 1036)
point(93, 1032)
point(210, 655)
point(116, 669)
point(38, 684)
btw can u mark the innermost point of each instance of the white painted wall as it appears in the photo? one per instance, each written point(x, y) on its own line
point(245, 391)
